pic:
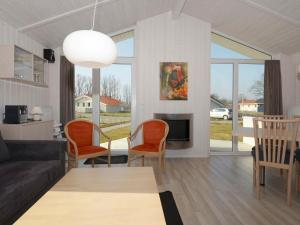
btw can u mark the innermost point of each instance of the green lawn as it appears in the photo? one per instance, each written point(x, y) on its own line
point(116, 134)
point(119, 114)
point(103, 125)
point(221, 130)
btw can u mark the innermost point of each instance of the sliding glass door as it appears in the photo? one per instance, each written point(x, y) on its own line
point(250, 100)
point(237, 91)
point(83, 93)
point(221, 107)
point(115, 104)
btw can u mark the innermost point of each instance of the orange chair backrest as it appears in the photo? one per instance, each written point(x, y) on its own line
point(153, 131)
point(81, 132)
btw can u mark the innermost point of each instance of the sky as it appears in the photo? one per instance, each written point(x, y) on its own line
point(121, 71)
point(221, 74)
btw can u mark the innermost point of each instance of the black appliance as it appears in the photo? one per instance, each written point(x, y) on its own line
point(49, 55)
point(15, 114)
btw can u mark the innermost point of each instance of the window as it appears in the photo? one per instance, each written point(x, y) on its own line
point(220, 98)
point(225, 48)
point(125, 44)
point(114, 97)
point(83, 91)
point(237, 75)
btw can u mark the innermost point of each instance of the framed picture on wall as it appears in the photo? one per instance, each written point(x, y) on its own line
point(173, 81)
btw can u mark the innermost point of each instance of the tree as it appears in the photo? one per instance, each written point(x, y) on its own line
point(110, 86)
point(127, 94)
point(83, 85)
point(257, 88)
point(104, 86)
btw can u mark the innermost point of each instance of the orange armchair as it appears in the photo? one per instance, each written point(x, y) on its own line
point(80, 135)
point(154, 134)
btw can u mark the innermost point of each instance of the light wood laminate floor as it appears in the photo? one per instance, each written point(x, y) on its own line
point(219, 190)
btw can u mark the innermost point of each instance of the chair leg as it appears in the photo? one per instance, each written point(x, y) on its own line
point(289, 187)
point(143, 160)
point(160, 168)
point(108, 160)
point(164, 162)
point(254, 173)
point(281, 172)
point(93, 163)
point(297, 176)
point(129, 160)
point(76, 163)
point(69, 163)
point(257, 175)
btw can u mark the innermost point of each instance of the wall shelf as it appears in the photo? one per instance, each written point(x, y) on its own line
point(21, 66)
point(21, 81)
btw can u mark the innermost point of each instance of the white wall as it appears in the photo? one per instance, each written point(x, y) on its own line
point(14, 93)
point(296, 59)
point(54, 85)
point(164, 39)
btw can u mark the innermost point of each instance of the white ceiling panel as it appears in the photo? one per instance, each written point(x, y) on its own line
point(249, 23)
point(270, 25)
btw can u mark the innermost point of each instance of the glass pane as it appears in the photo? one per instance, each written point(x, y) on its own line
point(125, 48)
point(225, 48)
point(221, 107)
point(83, 93)
point(251, 99)
point(115, 104)
point(219, 52)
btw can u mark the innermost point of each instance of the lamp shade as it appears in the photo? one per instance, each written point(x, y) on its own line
point(36, 110)
point(89, 48)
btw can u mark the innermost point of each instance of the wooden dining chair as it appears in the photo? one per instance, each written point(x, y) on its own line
point(271, 147)
point(268, 117)
point(154, 134)
point(297, 162)
point(80, 135)
point(274, 117)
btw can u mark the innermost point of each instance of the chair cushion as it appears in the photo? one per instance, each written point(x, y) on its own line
point(153, 132)
point(81, 132)
point(22, 182)
point(261, 154)
point(89, 150)
point(4, 153)
point(146, 148)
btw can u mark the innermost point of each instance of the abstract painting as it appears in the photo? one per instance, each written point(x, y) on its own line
point(173, 81)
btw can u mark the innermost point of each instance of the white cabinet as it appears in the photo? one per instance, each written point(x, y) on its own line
point(39, 130)
point(22, 66)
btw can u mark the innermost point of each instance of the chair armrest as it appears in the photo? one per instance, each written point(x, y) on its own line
point(96, 127)
point(37, 150)
point(135, 133)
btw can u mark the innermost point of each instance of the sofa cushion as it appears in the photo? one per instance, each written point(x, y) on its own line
point(4, 153)
point(22, 183)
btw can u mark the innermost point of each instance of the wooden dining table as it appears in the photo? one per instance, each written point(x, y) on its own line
point(108, 196)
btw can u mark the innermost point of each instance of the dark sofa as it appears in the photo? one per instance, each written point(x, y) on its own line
point(28, 169)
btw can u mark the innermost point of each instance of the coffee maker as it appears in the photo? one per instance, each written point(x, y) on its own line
point(15, 114)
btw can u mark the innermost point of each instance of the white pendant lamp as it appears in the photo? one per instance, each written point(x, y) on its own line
point(90, 48)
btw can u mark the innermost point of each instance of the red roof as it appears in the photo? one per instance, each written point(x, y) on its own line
point(109, 100)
